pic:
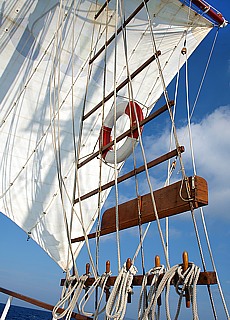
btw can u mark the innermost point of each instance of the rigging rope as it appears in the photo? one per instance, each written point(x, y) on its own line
point(131, 99)
point(185, 285)
point(56, 136)
point(146, 299)
point(115, 142)
point(70, 294)
point(117, 302)
point(100, 282)
point(189, 116)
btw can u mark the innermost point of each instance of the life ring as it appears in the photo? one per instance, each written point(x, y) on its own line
point(105, 137)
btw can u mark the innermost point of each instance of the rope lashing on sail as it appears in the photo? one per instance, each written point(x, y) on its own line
point(117, 302)
point(100, 282)
point(105, 137)
point(185, 285)
point(70, 294)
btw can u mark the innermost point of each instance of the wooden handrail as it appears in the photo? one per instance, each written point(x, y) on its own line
point(40, 304)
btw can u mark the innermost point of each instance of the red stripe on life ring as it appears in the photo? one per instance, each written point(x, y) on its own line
point(130, 111)
point(134, 111)
point(105, 138)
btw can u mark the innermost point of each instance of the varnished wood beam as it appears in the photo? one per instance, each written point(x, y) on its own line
point(170, 200)
point(101, 9)
point(132, 173)
point(205, 278)
point(40, 303)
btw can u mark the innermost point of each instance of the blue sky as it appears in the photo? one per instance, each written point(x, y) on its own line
point(25, 268)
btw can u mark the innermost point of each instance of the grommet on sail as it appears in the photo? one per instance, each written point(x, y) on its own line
point(80, 80)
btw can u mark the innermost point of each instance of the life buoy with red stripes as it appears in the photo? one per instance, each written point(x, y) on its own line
point(132, 109)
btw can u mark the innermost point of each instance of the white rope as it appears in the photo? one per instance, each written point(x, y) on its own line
point(99, 200)
point(115, 142)
point(117, 302)
point(187, 282)
point(189, 116)
point(70, 295)
point(146, 300)
point(99, 282)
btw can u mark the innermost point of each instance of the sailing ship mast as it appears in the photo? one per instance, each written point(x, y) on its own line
point(83, 76)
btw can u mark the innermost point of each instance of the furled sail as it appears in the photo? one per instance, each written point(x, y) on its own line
point(55, 69)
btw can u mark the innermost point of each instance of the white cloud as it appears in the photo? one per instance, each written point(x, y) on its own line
point(211, 144)
point(211, 141)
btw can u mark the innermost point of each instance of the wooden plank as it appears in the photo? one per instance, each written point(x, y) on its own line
point(40, 304)
point(168, 203)
point(170, 200)
point(205, 278)
point(134, 172)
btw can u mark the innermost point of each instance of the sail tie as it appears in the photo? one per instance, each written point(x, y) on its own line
point(117, 302)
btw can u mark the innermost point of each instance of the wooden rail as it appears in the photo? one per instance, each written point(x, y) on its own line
point(40, 304)
point(205, 278)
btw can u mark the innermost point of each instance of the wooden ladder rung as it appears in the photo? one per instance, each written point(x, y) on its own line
point(125, 23)
point(132, 173)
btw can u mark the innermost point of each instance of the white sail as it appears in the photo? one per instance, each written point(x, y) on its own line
point(47, 85)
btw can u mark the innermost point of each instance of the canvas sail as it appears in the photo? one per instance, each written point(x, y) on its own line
point(49, 81)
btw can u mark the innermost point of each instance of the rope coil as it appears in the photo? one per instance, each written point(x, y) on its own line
point(70, 294)
point(146, 300)
point(185, 282)
point(99, 282)
point(117, 302)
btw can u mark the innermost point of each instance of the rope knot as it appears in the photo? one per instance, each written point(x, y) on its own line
point(130, 273)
